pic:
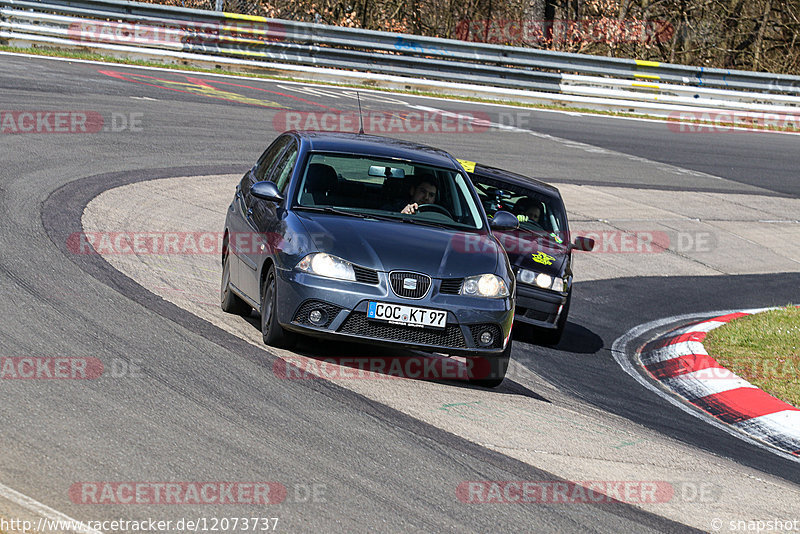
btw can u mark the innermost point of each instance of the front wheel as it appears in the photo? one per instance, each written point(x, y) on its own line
point(489, 371)
point(272, 332)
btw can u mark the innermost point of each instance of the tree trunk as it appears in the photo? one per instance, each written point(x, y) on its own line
point(760, 38)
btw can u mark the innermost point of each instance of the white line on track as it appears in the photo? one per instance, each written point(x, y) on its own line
point(44, 511)
point(620, 350)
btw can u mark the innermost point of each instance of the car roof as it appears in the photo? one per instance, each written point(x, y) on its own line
point(375, 145)
point(503, 175)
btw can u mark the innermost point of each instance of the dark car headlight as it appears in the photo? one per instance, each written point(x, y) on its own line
point(326, 265)
point(485, 285)
point(545, 281)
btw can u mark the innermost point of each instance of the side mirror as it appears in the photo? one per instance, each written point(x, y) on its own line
point(585, 244)
point(266, 191)
point(504, 220)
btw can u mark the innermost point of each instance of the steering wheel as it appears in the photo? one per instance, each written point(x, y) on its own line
point(435, 207)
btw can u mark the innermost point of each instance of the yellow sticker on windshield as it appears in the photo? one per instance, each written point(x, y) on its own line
point(541, 257)
point(469, 166)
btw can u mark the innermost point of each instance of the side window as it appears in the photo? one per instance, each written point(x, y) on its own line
point(267, 159)
point(283, 169)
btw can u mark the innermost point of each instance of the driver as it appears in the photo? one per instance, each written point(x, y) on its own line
point(422, 193)
point(528, 209)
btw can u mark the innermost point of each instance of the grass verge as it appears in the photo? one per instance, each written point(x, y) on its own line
point(764, 349)
point(695, 126)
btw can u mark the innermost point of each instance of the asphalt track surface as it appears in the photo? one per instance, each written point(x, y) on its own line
point(207, 407)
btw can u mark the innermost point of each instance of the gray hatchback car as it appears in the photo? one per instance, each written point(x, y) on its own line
point(368, 239)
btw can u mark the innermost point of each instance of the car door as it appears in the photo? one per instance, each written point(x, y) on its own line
point(243, 237)
point(264, 220)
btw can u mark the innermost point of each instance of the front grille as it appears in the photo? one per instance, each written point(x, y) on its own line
point(357, 324)
point(451, 286)
point(368, 276)
point(331, 311)
point(477, 329)
point(422, 284)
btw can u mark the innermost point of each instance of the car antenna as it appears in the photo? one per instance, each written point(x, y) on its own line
point(360, 116)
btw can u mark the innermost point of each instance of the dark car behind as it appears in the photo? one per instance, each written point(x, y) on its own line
point(540, 251)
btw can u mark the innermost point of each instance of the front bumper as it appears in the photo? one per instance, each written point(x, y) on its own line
point(344, 305)
point(539, 307)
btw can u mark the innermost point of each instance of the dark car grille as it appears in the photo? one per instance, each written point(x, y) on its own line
point(331, 311)
point(478, 329)
point(451, 286)
point(357, 324)
point(368, 276)
point(397, 279)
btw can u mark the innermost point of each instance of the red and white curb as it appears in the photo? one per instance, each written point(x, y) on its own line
point(677, 368)
point(681, 363)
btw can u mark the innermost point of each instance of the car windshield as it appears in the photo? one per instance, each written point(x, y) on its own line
point(537, 213)
point(383, 188)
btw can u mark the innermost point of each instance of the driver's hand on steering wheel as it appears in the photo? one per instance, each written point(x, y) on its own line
point(410, 209)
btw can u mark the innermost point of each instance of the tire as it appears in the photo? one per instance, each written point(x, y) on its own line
point(229, 301)
point(273, 333)
point(553, 337)
point(498, 365)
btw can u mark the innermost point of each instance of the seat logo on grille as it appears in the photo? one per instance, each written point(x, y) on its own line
point(410, 283)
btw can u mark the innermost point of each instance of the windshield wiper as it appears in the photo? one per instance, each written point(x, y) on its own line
point(331, 209)
point(427, 223)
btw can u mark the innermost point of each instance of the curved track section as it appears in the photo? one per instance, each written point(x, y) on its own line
point(193, 395)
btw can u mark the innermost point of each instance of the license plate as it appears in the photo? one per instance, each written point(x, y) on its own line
point(406, 315)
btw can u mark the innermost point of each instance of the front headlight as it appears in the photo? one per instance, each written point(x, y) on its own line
point(328, 266)
point(485, 285)
point(545, 281)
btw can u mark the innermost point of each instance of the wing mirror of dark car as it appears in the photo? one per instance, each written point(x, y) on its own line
point(585, 244)
point(504, 220)
point(266, 191)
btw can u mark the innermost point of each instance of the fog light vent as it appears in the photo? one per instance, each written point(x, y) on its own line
point(316, 313)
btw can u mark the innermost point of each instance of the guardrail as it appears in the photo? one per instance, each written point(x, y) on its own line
point(181, 32)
